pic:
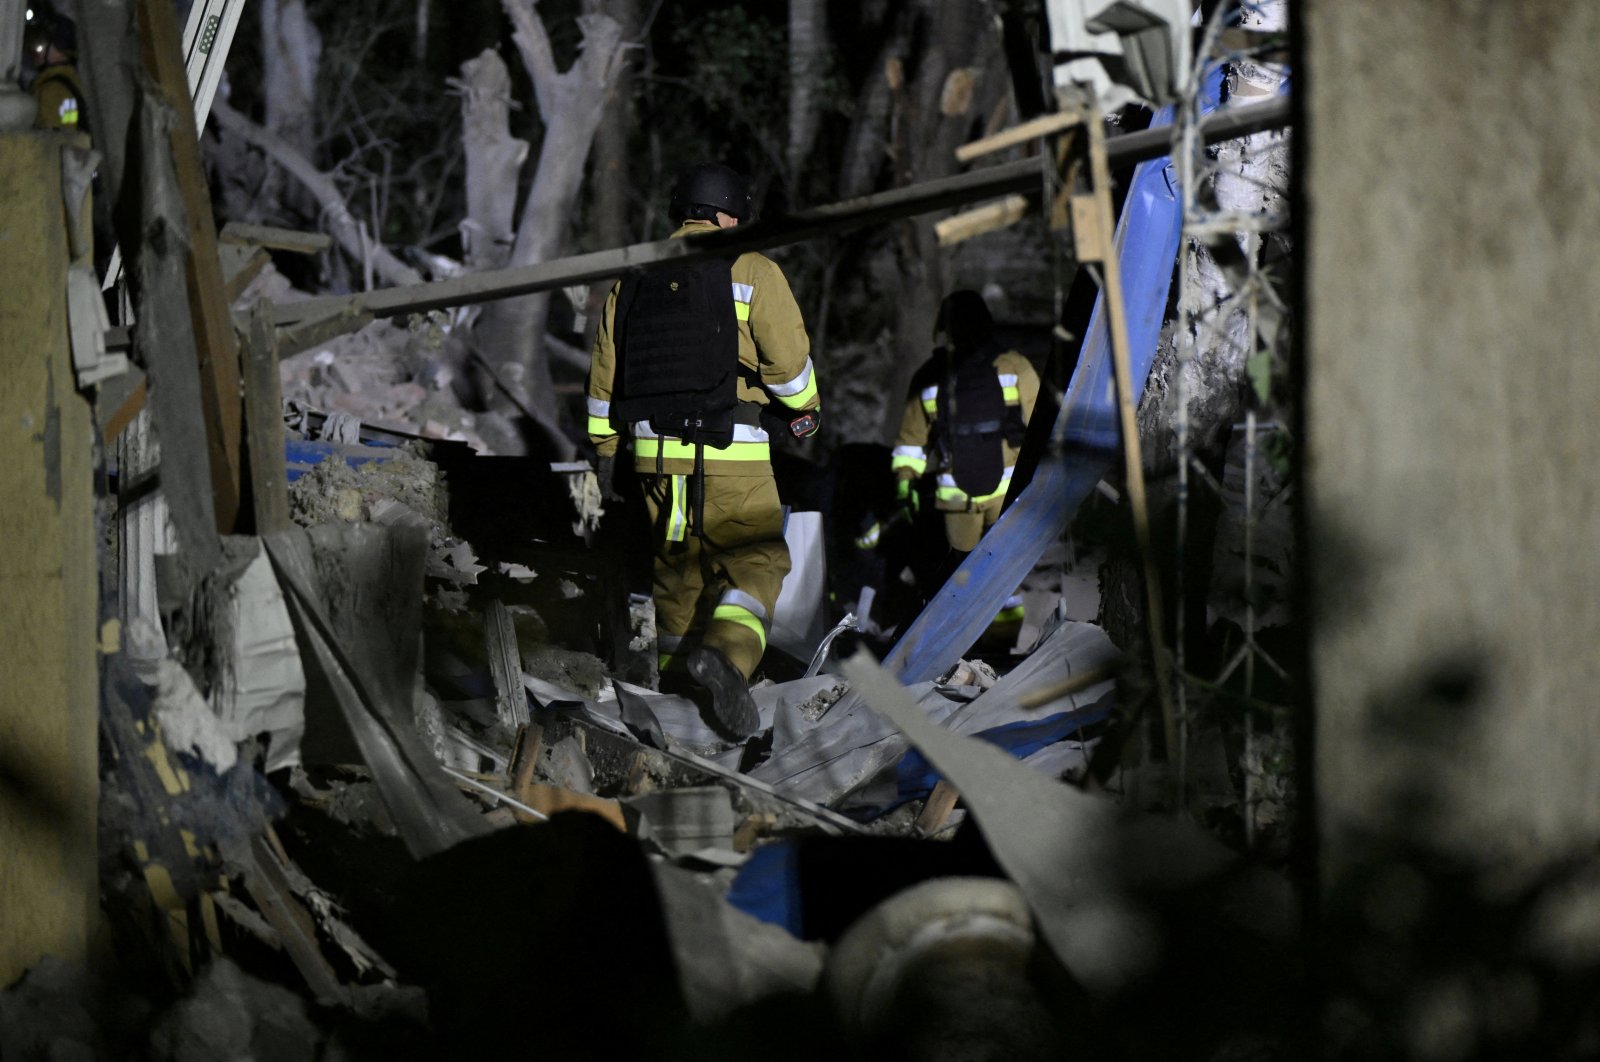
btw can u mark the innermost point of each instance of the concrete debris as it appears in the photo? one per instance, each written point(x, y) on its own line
point(388, 374)
point(187, 722)
point(230, 1014)
point(684, 822)
point(263, 692)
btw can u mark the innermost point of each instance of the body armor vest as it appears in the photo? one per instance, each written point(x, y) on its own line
point(678, 352)
point(973, 422)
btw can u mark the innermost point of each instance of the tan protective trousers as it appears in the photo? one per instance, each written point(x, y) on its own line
point(716, 585)
point(963, 528)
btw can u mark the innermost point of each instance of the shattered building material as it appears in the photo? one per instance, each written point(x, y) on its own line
point(355, 592)
point(1093, 874)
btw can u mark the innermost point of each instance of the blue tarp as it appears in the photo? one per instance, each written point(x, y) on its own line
point(302, 455)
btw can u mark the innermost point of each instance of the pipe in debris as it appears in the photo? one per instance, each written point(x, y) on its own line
point(505, 799)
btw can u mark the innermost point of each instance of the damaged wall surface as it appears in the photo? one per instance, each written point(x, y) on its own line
point(48, 885)
point(1451, 419)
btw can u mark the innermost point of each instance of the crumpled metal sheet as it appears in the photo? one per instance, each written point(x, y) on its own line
point(1089, 868)
point(1123, 50)
point(356, 593)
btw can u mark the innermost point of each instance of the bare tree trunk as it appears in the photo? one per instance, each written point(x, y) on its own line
point(934, 114)
point(511, 332)
point(493, 159)
point(609, 173)
point(342, 225)
point(808, 43)
point(291, 53)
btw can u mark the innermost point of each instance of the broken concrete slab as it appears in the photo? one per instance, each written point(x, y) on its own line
point(684, 821)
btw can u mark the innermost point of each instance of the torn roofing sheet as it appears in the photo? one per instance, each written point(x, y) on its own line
point(1085, 436)
point(1088, 867)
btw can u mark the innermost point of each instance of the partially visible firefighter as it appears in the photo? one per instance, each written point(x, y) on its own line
point(963, 425)
point(692, 363)
point(51, 42)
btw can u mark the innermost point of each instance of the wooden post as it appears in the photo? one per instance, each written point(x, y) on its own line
point(215, 343)
point(1100, 173)
point(263, 396)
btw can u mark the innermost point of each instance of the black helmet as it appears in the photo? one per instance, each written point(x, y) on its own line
point(707, 188)
point(46, 28)
point(965, 321)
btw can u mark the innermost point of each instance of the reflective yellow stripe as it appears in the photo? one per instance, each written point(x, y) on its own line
point(915, 464)
point(677, 449)
point(677, 519)
point(956, 494)
point(669, 662)
point(600, 426)
point(741, 310)
point(806, 396)
point(1012, 395)
point(744, 618)
point(1010, 614)
point(930, 406)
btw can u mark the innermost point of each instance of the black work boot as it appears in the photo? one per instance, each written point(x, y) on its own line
point(731, 702)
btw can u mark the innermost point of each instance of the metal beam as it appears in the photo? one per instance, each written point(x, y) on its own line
point(1019, 177)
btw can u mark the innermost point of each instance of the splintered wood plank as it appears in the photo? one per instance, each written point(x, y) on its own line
point(237, 232)
point(216, 345)
point(936, 812)
point(1033, 129)
point(976, 222)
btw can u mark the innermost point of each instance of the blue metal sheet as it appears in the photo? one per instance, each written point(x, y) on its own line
point(1085, 440)
point(302, 455)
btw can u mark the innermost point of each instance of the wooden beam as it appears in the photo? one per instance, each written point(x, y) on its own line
point(275, 238)
point(976, 222)
point(1010, 178)
point(1044, 125)
point(216, 345)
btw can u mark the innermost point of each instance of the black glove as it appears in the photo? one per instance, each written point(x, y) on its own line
point(805, 425)
point(605, 472)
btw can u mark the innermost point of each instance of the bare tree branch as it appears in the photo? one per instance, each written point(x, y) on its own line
point(533, 43)
point(342, 224)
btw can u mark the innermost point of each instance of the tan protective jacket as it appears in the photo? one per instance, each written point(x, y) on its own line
point(911, 457)
point(773, 347)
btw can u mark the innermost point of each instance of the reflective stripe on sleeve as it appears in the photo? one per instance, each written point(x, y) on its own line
point(742, 294)
point(599, 422)
point(1008, 387)
point(913, 457)
point(930, 399)
point(798, 392)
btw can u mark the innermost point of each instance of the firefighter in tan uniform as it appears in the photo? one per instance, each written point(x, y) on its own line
point(964, 422)
point(684, 362)
point(51, 41)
